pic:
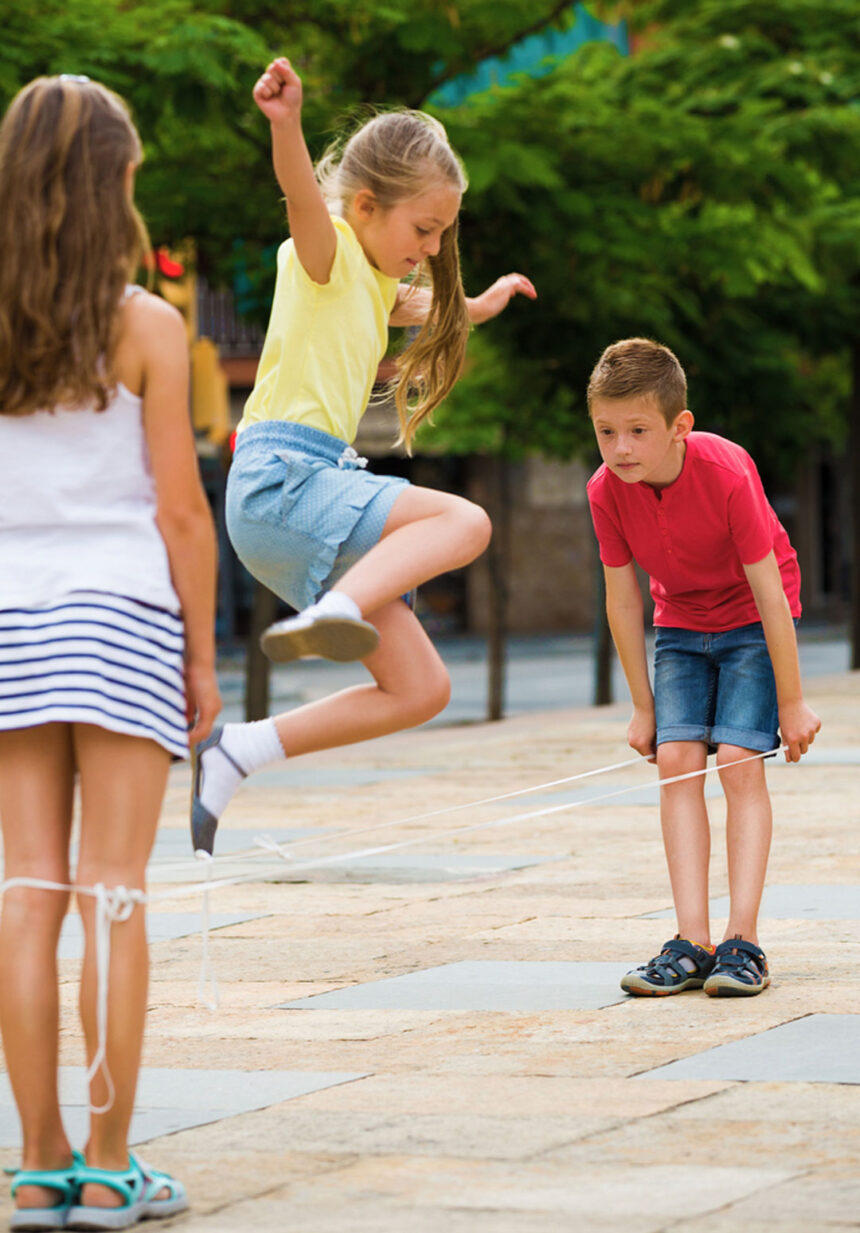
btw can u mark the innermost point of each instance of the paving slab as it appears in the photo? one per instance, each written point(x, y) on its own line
point(171, 1099)
point(815, 1049)
point(482, 985)
point(171, 843)
point(332, 778)
point(160, 927)
point(836, 901)
point(398, 867)
point(514, 1098)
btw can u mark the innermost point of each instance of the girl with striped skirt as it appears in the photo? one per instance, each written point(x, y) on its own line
point(107, 568)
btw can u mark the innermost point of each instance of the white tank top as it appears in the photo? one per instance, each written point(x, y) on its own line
point(77, 507)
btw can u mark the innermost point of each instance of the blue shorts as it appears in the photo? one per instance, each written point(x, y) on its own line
point(300, 511)
point(716, 688)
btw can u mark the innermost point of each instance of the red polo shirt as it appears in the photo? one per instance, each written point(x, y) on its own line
point(694, 536)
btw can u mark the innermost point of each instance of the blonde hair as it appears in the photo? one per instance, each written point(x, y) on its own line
point(640, 368)
point(70, 240)
point(397, 155)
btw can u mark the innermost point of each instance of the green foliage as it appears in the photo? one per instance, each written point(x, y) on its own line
point(702, 191)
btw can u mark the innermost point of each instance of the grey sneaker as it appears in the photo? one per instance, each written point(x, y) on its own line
point(203, 823)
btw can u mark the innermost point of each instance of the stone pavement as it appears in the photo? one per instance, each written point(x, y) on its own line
point(433, 1040)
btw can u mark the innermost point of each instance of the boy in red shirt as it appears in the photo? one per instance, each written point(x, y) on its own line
point(689, 507)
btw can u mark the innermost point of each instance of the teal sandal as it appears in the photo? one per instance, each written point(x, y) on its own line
point(63, 1181)
point(138, 1186)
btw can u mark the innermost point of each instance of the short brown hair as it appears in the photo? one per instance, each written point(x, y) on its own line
point(640, 368)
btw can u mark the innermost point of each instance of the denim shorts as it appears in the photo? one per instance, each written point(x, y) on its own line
point(716, 688)
point(300, 508)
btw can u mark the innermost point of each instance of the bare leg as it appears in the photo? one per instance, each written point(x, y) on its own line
point(749, 825)
point(36, 790)
point(426, 534)
point(411, 686)
point(686, 836)
point(122, 786)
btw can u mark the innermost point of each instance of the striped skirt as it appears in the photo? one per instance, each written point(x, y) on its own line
point(95, 658)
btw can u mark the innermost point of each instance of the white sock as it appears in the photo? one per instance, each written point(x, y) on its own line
point(251, 746)
point(336, 604)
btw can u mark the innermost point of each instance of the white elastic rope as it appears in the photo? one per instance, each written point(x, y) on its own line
point(207, 985)
point(114, 903)
point(267, 844)
point(338, 858)
point(360, 854)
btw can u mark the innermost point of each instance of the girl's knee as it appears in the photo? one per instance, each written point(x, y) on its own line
point(433, 696)
point(476, 525)
point(32, 910)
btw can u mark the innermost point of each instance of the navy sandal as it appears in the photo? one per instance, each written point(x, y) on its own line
point(740, 970)
point(63, 1181)
point(666, 973)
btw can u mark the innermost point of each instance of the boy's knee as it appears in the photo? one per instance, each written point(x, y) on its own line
point(679, 758)
point(749, 769)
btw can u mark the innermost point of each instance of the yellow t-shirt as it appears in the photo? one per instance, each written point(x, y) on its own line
point(324, 343)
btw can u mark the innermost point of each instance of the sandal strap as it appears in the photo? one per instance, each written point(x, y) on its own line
point(127, 1183)
point(667, 967)
point(154, 1181)
point(743, 959)
point(742, 946)
point(64, 1180)
point(680, 946)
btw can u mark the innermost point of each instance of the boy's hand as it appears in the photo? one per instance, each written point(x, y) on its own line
point(798, 725)
point(278, 93)
point(497, 297)
point(642, 733)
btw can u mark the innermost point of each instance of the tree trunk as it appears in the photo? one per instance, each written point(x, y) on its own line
point(602, 644)
point(499, 556)
point(256, 665)
point(854, 491)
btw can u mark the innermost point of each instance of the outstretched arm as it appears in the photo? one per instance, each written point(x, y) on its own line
point(798, 723)
point(413, 303)
point(278, 94)
point(497, 297)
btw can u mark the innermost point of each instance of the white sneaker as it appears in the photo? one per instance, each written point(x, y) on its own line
point(308, 635)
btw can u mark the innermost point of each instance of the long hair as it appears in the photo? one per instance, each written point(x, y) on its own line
point(70, 239)
point(398, 155)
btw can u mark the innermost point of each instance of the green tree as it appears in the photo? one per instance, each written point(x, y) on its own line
point(702, 192)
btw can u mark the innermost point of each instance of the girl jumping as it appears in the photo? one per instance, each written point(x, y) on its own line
point(107, 568)
point(335, 542)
